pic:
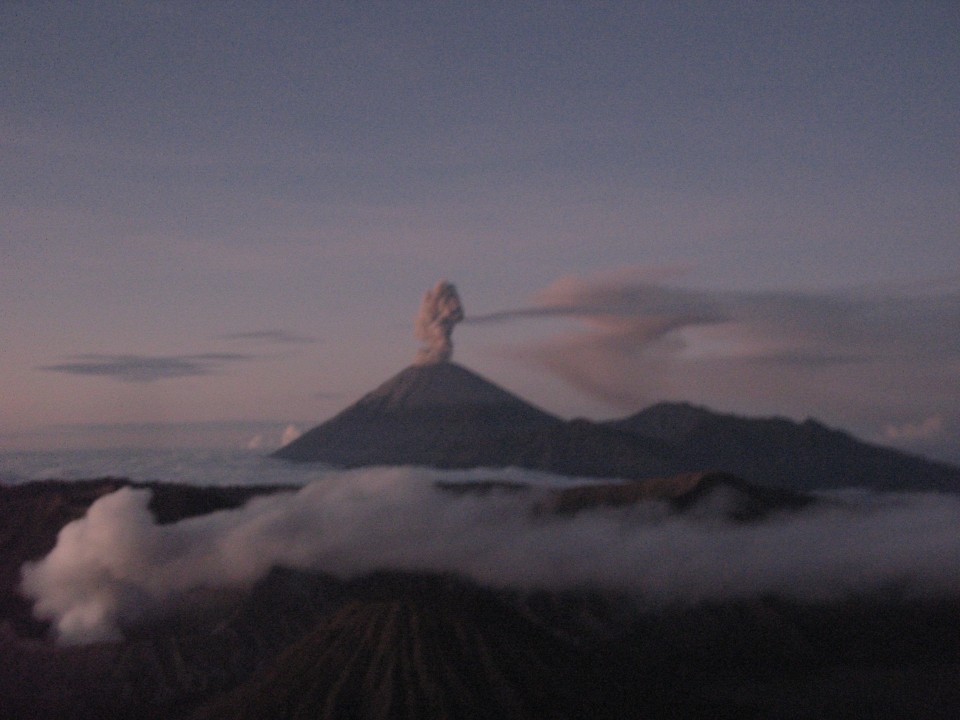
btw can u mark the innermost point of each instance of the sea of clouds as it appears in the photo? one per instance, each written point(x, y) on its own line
point(186, 465)
point(116, 567)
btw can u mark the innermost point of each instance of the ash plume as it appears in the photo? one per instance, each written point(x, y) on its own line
point(439, 311)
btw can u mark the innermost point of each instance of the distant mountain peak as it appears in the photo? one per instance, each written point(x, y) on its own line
point(437, 414)
point(439, 384)
point(781, 452)
point(668, 419)
point(443, 415)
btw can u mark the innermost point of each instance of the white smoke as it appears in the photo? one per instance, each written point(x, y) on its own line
point(115, 566)
point(440, 310)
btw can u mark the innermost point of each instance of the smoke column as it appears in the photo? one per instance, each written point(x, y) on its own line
point(439, 312)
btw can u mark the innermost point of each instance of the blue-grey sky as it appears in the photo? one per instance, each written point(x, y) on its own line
point(218, 219)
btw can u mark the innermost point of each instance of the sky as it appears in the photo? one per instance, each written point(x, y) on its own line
point(218, 220)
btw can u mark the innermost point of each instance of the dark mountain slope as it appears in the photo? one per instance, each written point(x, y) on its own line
point(443, 415)
point(743, 501)
point(408, 646)
point(420, 647)
point(776, 451)
point(439, 414)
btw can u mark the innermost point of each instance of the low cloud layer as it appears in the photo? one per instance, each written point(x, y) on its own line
point(866, 361)
point(116, 566)
point(262, 441)
point(146, 368)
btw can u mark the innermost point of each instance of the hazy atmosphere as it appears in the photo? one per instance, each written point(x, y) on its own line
point(217, 221)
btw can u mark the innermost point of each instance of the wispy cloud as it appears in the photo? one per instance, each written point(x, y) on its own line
point(795, 327)
point(925, 429)
point(855, 357)
point(146, 368)
point(280, 337)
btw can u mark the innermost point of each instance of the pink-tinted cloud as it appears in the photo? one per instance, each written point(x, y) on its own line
point(922, 430)
point(854, 358)
point(145, 368)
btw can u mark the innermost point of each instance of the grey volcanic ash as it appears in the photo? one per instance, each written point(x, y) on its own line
point(439, 311)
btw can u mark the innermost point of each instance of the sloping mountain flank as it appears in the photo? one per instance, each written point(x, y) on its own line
point(443, 415)
point(402, 647)
point(421, 647)
point(440, 414)
point(777, 451)
point(742, 501)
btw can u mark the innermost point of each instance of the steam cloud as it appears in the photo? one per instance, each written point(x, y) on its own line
point(116, 566)
point(440, 310)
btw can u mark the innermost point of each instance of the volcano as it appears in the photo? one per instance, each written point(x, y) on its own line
point(437, 414)
point(445, 416)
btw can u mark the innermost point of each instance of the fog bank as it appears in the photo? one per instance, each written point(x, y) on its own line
point(115, 566)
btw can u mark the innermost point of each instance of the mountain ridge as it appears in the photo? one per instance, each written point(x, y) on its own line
point(801, 455)
point(444, 415)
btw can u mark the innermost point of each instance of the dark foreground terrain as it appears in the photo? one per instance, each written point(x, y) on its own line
point(391, 645)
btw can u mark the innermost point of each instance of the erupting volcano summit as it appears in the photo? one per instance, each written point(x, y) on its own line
point(439, 414)
point(434, 412)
